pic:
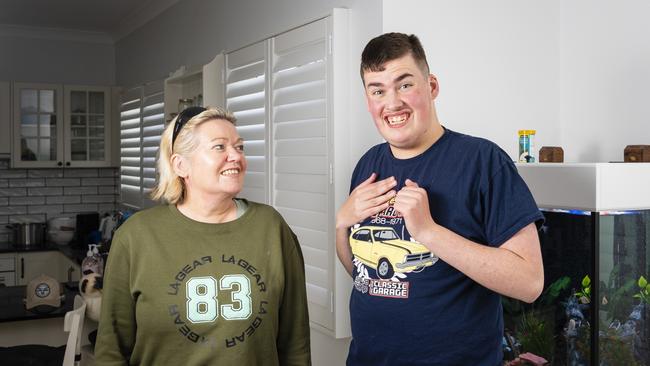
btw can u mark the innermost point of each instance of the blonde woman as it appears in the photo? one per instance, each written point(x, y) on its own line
point(205, 278)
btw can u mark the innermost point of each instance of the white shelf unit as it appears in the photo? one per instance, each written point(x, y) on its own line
point(595, 187)
point(192, 82)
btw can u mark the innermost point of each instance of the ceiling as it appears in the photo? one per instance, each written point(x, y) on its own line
point(113, 17)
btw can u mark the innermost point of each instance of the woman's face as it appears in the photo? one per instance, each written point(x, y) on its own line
point(218, 165)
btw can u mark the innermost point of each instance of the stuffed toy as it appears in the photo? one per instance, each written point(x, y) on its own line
point(90, 288)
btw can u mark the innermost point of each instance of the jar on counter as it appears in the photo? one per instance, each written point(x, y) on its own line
point(527, 146)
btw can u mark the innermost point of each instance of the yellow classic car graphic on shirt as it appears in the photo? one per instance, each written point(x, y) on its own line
point(380, 248)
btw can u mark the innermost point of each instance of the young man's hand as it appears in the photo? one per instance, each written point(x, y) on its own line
point(413, 203)
point(367, 199)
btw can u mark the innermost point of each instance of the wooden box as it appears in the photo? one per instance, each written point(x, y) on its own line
point(637, 153)
point(551, 154)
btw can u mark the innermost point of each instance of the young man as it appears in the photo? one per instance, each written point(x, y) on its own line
point(437, 225)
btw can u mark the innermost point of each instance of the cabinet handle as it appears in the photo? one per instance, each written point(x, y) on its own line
point(59, 163)
point(22, 267)
point(67, 163)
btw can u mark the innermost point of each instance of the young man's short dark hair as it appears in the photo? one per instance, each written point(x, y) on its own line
point(391, 46)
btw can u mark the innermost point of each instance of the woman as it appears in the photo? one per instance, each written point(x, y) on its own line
point(207, 278)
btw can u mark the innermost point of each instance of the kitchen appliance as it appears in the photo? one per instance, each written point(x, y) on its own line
point(86, 224)
point(60, 230)
point(27, 234)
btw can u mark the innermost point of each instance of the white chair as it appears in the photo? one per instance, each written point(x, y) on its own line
point(74, 324)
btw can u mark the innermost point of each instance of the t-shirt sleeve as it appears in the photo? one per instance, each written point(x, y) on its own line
point(117, 326)
point(293, 336)
point(508, 205)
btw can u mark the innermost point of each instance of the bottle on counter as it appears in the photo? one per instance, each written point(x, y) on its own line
point(527, 146)
point(93, 263)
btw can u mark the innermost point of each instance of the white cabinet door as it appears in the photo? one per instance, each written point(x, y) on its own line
point(7, 269)
point(5, 117)
point(37, 125)
point(32, 264)
point(61, 126)
point(87, 126)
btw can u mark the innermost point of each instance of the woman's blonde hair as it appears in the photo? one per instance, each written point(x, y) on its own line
point(170, 187)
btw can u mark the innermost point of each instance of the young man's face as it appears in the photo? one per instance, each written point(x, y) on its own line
point(400, 101)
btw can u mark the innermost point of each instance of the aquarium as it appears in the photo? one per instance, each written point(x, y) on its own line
point(595, 308)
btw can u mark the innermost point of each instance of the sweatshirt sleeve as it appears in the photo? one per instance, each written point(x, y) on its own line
point(293, 337)
point(117, 326)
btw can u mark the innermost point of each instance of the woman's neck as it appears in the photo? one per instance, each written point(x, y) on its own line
point(209, 211)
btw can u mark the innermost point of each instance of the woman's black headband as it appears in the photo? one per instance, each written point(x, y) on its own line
point(186, 115)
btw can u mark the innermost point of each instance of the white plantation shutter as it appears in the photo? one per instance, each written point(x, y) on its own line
point(281, 92)
point(300, 160)
point(246, 97)
point(141, 124)
point(153, 124)
point(130, 170)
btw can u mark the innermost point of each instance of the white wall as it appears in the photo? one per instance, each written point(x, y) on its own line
point(605, 73)
point(576, 71)
point(496, 62)
point(55, 57)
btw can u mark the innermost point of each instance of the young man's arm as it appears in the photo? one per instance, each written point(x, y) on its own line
point(367, 199)
point(514, 269)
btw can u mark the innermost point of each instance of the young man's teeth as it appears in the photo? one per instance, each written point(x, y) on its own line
point(230, 171)
point(396, 119)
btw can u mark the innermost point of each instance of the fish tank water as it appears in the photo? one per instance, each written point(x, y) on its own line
point(595, 307)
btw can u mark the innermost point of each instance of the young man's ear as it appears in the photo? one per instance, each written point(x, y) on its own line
point(434, 87)
point(179, 165)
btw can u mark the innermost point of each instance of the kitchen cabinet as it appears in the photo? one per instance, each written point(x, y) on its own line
point(7, 270)
point(5, 117)
point(61, 126)
point(51, 263)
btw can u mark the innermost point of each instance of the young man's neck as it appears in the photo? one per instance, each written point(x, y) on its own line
point(431, 138)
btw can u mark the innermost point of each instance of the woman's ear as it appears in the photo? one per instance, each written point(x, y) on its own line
point(180, 166)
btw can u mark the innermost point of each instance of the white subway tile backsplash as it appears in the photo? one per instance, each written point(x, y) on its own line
point(109, 172)
point(13, 210)
point(63, 199)
point(78, 173)
point(27, 200)
point(13, 192)
point(106, 207)
point(45, 191)
point(55, 182)
point(45, 173)
point(13, 173)
point(106, 198)
point(84, 207)
point(27, 218)
point(50, 210)
point(79, 190)
point(97, 181)
point(108, 190)
point(32, 182)
point(38, 194)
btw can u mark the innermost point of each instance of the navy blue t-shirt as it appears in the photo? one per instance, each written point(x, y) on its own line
point(408, 307)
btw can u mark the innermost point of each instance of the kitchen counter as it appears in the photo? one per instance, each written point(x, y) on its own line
point(75, 254)
point(12, 307)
